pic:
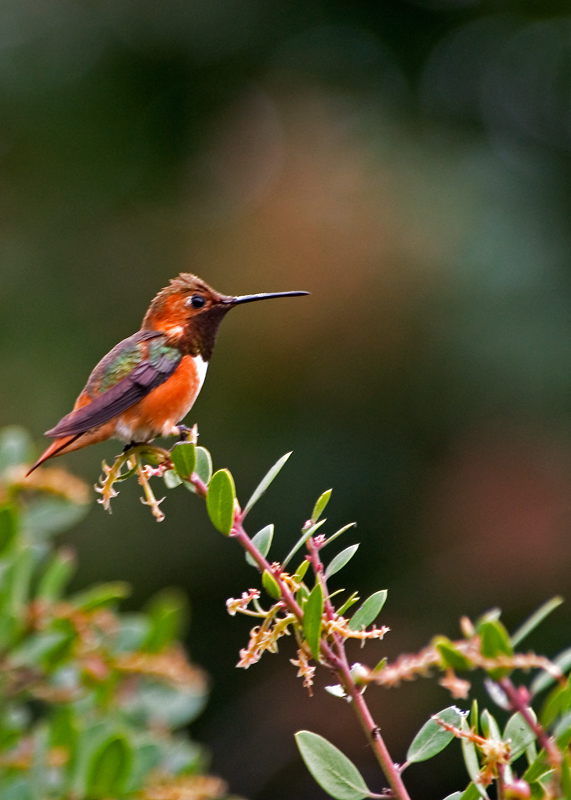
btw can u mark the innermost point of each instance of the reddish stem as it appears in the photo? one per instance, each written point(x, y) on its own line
point(518, 703)
point(337, 662)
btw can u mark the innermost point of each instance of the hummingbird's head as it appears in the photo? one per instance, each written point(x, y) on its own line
point(189, 312)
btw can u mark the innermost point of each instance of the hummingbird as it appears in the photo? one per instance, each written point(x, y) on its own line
point(148, 382)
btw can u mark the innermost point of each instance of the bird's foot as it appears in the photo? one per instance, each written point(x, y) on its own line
point(129, 446)
point(186, 434)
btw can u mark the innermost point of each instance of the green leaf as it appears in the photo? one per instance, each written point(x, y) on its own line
point(380, 665)
point(202, 467)
point(340, 532)
point(432, 737)
point(220, 501)
point(16, 447)
point(557, 702)
point(330, 768)
point(455, 796)
point(301, 541)
point(545, 679)
point(263, 541)
point(8, 526)
point(320, 505)
point(451, 656)
point(109, 768)
point(302, 595)
point(340, 560)
point(369, 611)
point(490, 727)
point(264, 483)
point(183, 458)
point(167, 612)
point(562, 731)
point(471, 759)
point(56, 576)
point(50, 515)
point(519, 734)
point(172, 479)
point(271, 585)
point(301, 570)
point(474, 718)
point(312, 614)
point(100, 595)
point(538, 769)
point(351, 600)
point(157, 705)
point(471, 792)
point(495, 641)
point(536, 618)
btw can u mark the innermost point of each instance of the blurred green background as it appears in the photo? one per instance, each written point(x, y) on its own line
point(409, 163)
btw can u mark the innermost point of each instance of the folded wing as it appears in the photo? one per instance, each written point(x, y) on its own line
point(145, 377)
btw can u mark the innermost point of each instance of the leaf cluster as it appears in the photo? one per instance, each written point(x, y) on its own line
point(92, 700)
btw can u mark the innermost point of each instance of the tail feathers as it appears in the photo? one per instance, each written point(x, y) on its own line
point(56, 448)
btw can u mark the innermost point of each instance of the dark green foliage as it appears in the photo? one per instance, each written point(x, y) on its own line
point(107, 690)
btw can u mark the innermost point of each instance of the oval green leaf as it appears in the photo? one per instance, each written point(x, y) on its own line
point(330, 768)
point(432, 738)
point(271, 585)
point(369, 611)
point(220, 501)
point(264, 483)
point(109, 768)
point(495, 641)
point(490, 727)
point(519, 735)
point(262, 541)
point(340, 560)
point(319, 506)
point(183, 458)
point(450, 655)
point(312, 614)
point(301, 570)
point(202, 467)
point(172, 479)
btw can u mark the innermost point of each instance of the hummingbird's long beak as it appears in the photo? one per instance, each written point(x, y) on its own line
point(250, 298)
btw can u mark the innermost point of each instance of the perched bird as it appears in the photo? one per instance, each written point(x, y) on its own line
point(148, 382)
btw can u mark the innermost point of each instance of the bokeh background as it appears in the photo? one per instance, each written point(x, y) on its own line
point(409, 163)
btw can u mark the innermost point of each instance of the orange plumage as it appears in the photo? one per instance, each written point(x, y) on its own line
point(148, 382)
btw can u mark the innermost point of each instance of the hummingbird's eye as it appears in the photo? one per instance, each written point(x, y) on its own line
point(196, 301)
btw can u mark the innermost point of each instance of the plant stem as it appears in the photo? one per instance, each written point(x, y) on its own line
point(518, 703)
point(373, 732)
point(338, 664)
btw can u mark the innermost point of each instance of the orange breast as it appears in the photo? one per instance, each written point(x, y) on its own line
point(158, 412)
